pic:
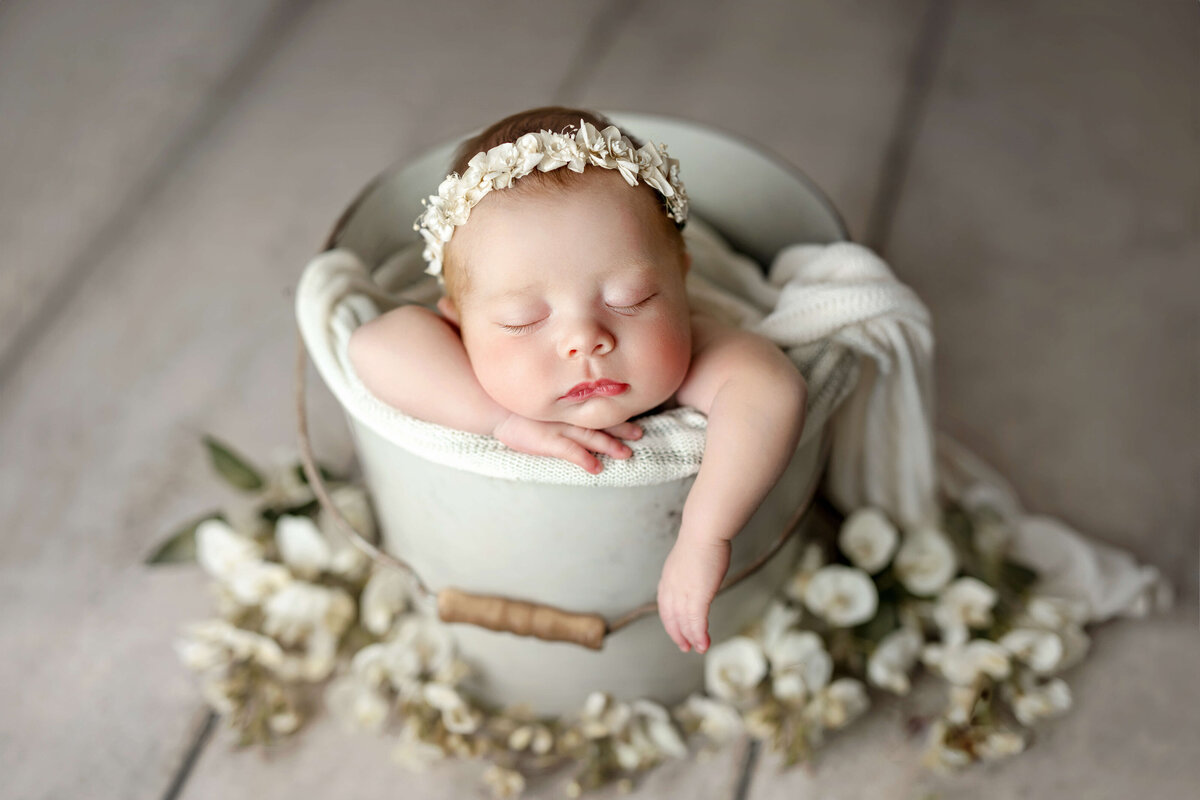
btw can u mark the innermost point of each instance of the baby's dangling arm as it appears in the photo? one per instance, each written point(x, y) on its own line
point(755, 401)
point(413, 359)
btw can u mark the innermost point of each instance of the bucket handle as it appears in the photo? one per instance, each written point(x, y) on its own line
point(500, 613)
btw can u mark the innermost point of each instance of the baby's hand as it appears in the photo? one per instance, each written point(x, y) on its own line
point(690, 579)
point(568, 442)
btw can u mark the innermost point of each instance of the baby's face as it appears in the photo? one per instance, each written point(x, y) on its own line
point(574, 308)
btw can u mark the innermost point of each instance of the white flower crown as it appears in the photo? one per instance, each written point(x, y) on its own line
point(545, 150)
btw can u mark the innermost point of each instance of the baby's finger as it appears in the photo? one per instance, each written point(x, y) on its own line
point(600, 442)
point(572, 451)
point(695, 628)
point(625, 430)
point(670, 618)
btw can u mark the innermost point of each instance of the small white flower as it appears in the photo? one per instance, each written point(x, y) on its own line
point(286, 485)
point(800, 665)
point(810, 561)
point(655, 722)
point(457, 716)
point(504, 783)
point(603, 717)
point(999, 744)
point(843, 596)
point(868, 539)
point(925, 562)
point(221, 551)
point(234, 643)
point(1041, 650)
point(429, 639)
point(719, 722)
point(941, 755)
point(967, 602)
point(778, 620)
point(965, 664)
point(251, 584)
point(893, 659)
point(385, 596)
point(1052, 613)
point(302, 546)
point(962, 704)
point(1032, 701)
point(284, 722)
point(839, 703)
point(299, 609)
point(358, 706)
point(354, 505)
point(734, 668)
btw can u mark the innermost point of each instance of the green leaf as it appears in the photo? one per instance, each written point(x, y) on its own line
point(1016, 577)
point(326, 474)
point(232, 467)
point(180, 546)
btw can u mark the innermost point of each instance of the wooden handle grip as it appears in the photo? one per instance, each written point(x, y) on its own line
point(521, 618)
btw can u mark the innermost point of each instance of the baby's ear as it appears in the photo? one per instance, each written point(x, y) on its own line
point(448, 308)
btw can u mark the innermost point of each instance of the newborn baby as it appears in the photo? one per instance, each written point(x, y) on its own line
point(565, 316)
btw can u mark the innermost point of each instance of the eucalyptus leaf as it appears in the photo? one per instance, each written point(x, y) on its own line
point(232, 467)
point(326, 474)
point(180, 546)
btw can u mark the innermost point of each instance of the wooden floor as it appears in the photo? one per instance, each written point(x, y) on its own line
point(1032, 169)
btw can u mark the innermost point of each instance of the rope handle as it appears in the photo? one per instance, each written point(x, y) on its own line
point(499, 613)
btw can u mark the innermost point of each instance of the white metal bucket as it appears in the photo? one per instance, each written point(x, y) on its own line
point(584, 549)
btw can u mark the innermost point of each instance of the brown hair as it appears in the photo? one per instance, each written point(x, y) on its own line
point(511, 128)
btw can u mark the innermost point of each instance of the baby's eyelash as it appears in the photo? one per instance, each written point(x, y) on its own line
point(519, 328)
point(634, 307)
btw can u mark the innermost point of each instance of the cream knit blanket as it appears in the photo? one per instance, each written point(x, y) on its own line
point(861, 338)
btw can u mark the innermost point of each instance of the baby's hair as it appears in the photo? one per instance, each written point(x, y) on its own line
point(558, 119)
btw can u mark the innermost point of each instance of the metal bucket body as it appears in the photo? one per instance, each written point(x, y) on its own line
point(585, 549)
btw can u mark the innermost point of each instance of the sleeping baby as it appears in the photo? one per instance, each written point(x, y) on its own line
point(565, 316)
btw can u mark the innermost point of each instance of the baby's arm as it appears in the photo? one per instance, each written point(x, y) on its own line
point(755, 401)
point(414, 360)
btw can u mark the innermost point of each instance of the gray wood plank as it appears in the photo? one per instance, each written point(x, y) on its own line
point(93, 96)
point(96, 703)
point(818, 83)
point(1130, 734)
point(1049, 222)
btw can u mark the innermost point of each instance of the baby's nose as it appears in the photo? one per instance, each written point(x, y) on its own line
point(586, 340)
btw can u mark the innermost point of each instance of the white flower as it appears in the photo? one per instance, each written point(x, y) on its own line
point(358, 706)
point(385, 596)
point(893, 659)
point(429, 639)
point(839, 703)
point(655, 723)
point(504, 783)
point(925, 562)
point(965, 664)
point(221, 551)
point(734, 668)
point(284, 722)
point(778, 620)
point(1052, 613)
point(299, 609)
point(415, 754)
point(800, 665)
point(967, 602)
point(302, 546)
point(962, 704)
point(285, 483)
point(457, 716)
point(843, 596)
point(217, 643)
point(868, 539)
point(602, 716)
point(720, 722)
point(1032, 701)
point(810, 561)
point(999, 744)
point(252, 583)
point(942, 755)
point(1041, 650)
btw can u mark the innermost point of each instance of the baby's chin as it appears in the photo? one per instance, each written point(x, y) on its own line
point(599, 413)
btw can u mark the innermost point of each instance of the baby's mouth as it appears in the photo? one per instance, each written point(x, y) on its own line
point(600, 388)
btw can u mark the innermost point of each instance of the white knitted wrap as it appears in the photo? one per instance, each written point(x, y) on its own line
point(337, 294)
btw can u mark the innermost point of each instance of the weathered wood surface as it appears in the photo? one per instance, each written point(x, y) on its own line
point(224, 139)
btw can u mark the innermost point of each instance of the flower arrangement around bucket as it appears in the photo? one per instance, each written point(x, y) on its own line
point(301, 614)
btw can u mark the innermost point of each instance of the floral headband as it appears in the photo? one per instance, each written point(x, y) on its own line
point(545, 150)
